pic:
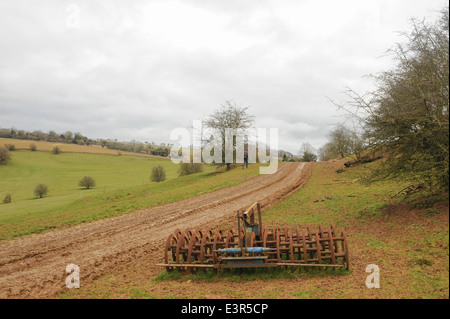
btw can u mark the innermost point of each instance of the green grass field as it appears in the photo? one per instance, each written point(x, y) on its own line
point(123, 186)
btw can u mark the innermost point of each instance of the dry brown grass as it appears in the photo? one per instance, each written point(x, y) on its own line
point(69, 148)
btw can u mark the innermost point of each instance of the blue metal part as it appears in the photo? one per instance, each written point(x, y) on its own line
point(239, 250)
point(257, 249)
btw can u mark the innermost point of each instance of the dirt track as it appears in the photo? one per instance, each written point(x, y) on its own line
point(34, 266)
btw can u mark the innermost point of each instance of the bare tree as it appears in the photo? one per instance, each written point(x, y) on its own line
point(340, 141)
point(229, 116)
point(327, 152)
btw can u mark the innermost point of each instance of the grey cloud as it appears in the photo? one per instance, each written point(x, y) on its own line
point(136, 70)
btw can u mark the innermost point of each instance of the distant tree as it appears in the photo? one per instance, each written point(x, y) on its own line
point(68, 136)
point(53, 136)
point(33, 147)
point(6, 133)
point(159, 151)
point(7, 199)
point(5, 157)
point(56, 150)
point(41, 190)
point(285, 158)
point(327, 152)
point(77, 136)
point(158, 174)
point(87, 182)
point(358, 144)
point(307, 153)
point(340, 141)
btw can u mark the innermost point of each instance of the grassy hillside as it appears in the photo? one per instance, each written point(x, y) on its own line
point(123, 185)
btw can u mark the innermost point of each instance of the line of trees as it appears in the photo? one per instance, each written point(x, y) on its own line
point(343, 142)
point(135, 147)
point(77, 138)
point(52, 136)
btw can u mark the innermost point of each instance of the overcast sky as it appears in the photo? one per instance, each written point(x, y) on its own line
point(138, 69)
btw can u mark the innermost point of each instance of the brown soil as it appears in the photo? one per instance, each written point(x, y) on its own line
point(34, 266)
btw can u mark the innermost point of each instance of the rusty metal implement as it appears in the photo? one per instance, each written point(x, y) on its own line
point(254, 246)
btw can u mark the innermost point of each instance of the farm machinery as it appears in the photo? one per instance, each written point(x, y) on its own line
point(254, 246)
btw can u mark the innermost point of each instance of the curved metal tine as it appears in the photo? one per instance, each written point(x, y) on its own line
point(177, 232)
point(332, 248)
point(291, 246)
point(217, 238)
point(344, 236)
point(229, 237)
point(167, 249)
point(179, 246)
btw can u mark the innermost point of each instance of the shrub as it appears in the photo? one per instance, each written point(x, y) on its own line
point(405, 117)
point(7, 199)
point(158, 174)
point(33, 147)
point(87, 182)
point(56, 150)
point(4, 155)
point(41, 190)
point(307, 153)
point(10, 147)
point(189, 168)
point(221, 169)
